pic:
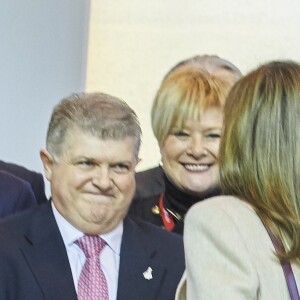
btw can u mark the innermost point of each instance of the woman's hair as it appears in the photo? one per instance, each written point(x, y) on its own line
point(189, 89)
point(260, 148)
point(211, 63)
point(98, 114)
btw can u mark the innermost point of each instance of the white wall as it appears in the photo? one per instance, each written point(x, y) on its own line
point(133, 43)
point(42, 59)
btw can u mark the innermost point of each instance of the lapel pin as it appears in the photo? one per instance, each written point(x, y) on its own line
point(148, 274)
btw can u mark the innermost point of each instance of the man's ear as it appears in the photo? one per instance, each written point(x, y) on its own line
point(48, 162)
point(138, 160)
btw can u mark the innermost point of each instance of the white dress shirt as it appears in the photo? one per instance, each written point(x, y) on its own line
point(109, 256)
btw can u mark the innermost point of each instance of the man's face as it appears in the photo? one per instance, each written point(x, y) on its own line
point(93, 183)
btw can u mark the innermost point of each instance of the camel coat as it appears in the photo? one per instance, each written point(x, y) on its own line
point(229, 255)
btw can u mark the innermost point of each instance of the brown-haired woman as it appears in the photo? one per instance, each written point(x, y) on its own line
point(229, 253)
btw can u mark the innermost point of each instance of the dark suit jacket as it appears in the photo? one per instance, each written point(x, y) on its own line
point(15, 195)
point(143, 209)
point(34, 263)
point(149, 183)
point(35, 179)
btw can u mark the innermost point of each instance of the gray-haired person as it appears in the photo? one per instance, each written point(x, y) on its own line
point(50, 252)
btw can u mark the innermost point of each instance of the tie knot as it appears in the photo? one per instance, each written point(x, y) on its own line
point(91, 245)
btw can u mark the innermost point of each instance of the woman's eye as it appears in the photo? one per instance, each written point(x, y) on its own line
point(214, 135)
point(181, 133)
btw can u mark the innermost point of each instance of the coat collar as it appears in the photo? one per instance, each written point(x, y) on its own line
point(141, 272)
point(46, 256)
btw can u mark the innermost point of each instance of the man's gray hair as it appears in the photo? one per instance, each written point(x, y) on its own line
point(98, 114)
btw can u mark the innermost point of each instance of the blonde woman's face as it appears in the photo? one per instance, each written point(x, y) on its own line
point(190, 154)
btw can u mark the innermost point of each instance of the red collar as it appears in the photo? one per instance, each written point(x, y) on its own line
point(167, 219)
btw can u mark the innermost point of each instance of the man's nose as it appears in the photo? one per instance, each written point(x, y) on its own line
point(102, 178)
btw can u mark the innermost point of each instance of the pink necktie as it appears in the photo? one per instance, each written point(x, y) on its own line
point(92, 283)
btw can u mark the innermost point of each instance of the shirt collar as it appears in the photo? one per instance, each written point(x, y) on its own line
point(70, 234)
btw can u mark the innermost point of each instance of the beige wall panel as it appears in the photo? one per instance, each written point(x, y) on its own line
point(133, 43)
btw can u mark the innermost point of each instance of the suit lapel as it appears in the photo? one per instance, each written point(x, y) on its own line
point(138, 261)
point(46, 256)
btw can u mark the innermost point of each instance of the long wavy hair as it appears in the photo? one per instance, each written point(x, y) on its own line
point(260, 149)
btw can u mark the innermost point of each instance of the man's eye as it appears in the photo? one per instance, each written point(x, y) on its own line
point(85, 163)
point(121, 168)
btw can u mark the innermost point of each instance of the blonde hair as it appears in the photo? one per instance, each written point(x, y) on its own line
point(260, 148)
point(185, 93)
